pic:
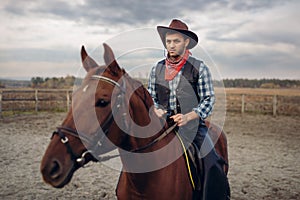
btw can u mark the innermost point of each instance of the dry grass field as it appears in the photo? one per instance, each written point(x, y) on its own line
point(263, 91)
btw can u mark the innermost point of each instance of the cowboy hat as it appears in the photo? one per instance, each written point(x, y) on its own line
point(177, 25)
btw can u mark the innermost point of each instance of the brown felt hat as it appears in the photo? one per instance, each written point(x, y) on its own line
point(177, 25)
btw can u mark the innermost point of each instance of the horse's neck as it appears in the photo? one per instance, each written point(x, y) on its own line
point(144, 124)
point(158, 170)
point(144, 127)
point(170, 178)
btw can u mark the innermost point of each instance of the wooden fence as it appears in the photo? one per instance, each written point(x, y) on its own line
point(20, 100)
point(265, 104)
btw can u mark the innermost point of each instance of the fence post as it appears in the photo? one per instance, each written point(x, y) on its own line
point(243, 104)
point(68, 100)
point(36, 100)
point(1, 104)
point(274, 105)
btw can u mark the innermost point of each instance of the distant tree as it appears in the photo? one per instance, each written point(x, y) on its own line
point(36, 81)
point(2, 85)
point(54, 82)
point(69, 81)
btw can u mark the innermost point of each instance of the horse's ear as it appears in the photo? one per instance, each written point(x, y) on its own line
point(110, 60)
point(87, 61)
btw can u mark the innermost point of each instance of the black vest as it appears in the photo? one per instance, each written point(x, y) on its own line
point(187, 89)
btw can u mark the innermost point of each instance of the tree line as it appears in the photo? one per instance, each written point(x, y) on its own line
point(258, 83)
point(68, 82)
point(54, 83)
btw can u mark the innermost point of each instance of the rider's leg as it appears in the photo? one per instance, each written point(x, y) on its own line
point(215, 180)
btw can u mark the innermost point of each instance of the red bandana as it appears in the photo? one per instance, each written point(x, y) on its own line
point(172, 68)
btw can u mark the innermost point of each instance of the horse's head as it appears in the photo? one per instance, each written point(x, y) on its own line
point(88, 121)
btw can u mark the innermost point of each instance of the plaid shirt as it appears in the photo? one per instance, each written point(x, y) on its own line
point(205, 91)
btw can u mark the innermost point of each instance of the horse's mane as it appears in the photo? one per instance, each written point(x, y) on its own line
point(141, 91)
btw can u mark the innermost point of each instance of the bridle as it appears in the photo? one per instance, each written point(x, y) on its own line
point(102, 131)
point(100, 134)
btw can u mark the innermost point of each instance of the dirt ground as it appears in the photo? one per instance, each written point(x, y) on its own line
point(263, 151)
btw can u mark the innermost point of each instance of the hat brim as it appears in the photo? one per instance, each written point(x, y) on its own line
point(162, 30)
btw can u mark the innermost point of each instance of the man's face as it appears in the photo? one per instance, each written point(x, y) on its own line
point(176, 44)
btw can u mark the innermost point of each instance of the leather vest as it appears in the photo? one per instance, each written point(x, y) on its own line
point(187, 90)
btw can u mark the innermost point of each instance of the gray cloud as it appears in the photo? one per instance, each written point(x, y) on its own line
point(127, 12)
point(37, 55)
point(253, 5)
point(221, 23)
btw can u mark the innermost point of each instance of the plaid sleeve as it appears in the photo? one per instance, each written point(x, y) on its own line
point(206, 93)
point(151, 86)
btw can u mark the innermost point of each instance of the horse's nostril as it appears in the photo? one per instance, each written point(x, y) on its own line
point(54, 172)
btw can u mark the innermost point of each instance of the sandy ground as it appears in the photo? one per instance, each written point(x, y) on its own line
point(263, 151)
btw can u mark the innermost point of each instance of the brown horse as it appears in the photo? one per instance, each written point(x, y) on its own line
point(111, 110)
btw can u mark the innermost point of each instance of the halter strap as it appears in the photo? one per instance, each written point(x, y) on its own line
point(109, 80)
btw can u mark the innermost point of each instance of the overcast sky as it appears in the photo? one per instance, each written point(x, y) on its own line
point(238, 39)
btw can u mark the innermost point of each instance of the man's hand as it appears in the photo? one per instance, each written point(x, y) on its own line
point(182, 119)
point(160, 112)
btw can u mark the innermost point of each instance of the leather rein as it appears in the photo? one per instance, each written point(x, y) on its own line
point(101, 133)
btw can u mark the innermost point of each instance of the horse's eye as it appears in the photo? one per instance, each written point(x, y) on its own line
point(101, 103)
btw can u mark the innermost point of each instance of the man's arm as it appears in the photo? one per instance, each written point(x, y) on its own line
point(151, 86)
point(206, 93)
point(152, 90)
